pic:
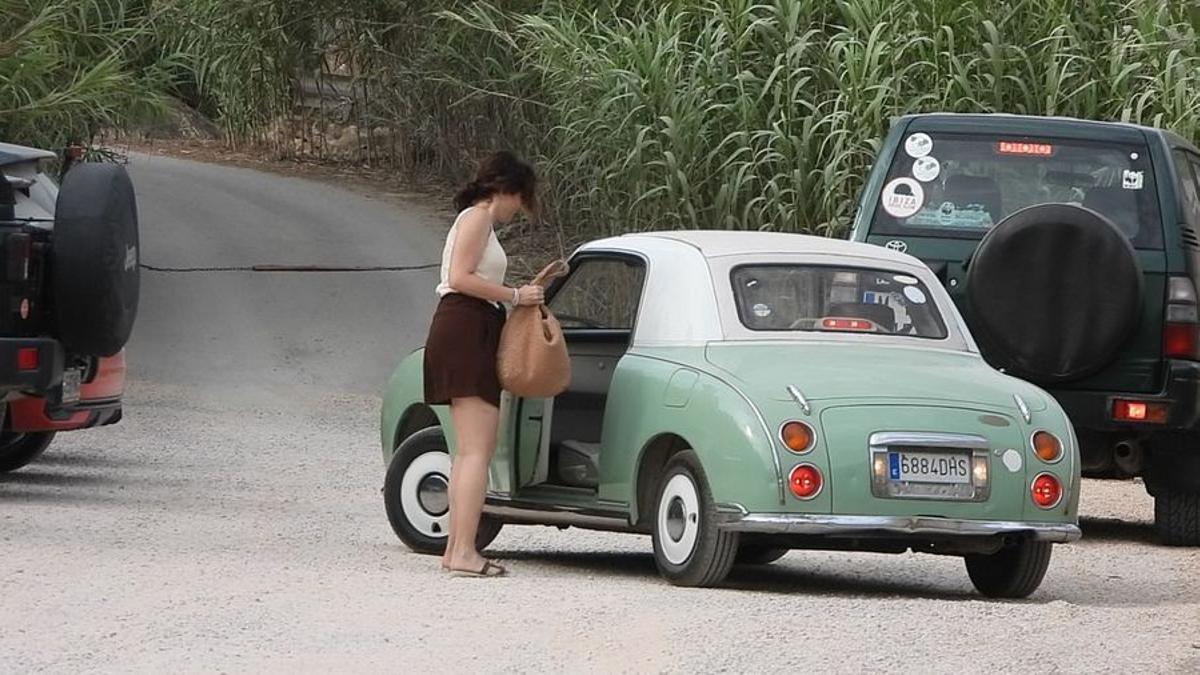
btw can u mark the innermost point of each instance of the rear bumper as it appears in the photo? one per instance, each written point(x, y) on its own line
point(920, 527)
point(1092, 410)
point(99, 403)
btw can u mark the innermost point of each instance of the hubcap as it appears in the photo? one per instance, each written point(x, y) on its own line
point(433, 494)
point(423, 495)
point(678, 519)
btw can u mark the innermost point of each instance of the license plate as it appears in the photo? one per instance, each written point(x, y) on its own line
point(930, 467)
point(70, 385)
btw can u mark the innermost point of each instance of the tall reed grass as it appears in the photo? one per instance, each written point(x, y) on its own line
point(742, 114)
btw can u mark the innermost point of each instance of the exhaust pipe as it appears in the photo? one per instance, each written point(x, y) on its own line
point(1129, 456)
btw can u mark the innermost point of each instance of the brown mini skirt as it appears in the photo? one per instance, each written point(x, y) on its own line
point(460, 352)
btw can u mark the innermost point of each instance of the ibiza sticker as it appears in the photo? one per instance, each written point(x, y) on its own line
point(926, 169)
point(914, 295)
point(1133, 180)
point(903, 197)
point(918, 145)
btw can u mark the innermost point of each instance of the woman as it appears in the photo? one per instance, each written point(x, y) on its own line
point(460, 353)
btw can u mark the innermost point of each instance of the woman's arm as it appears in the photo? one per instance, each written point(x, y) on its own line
point(470, 240)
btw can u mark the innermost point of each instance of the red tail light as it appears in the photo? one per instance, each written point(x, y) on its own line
point(1046, 491)
point(1181, 334)
point(1182, 341)
point(27, 358)
point(805, 481)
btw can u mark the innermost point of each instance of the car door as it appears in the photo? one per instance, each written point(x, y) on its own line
point(596, 305)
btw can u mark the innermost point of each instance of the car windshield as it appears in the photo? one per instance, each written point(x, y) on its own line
point(961, 185)
point(783, 297)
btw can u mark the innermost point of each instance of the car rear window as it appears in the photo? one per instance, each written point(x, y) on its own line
point(781, 297)
point(961, 185)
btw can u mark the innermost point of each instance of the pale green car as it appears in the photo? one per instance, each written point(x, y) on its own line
point(736, 395)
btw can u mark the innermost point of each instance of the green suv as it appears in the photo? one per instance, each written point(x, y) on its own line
point(1072, 248)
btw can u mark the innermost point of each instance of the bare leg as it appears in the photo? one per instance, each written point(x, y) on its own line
point(475, 424)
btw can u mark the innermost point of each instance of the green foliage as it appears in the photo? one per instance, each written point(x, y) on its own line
point(64, 69)
point(744, 114)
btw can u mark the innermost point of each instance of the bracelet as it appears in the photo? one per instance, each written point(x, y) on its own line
point(516, 297)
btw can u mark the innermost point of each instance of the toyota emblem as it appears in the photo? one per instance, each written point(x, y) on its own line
point(896, 245)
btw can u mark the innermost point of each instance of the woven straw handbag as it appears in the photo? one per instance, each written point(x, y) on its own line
point(532, 361)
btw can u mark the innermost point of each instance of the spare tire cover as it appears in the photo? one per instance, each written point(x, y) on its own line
point(1053, 292)
point(94, 260)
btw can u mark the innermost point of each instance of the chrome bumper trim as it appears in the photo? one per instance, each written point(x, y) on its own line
point(820, 524)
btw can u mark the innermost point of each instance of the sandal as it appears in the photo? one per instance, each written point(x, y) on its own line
point(489, 569)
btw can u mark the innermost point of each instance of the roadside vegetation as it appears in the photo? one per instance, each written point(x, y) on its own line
point(641, 114)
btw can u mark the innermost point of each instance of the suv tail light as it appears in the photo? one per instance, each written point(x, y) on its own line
point(1181, 335)
point(17, 247)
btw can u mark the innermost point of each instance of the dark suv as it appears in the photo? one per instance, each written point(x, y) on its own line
point(1072, 249)
point(69, 284)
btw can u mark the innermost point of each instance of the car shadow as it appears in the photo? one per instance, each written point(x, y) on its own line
point(1113, 529)
point(778, 579)
point(36, 477)
point(788, 579)
point(90, 460)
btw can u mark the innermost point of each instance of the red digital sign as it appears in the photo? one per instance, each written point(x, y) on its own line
point(1025, 148)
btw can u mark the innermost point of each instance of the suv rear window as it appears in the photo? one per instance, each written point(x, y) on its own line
point(960, 185)
point(834, 299)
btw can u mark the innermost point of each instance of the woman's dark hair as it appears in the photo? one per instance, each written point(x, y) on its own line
point(500, 172)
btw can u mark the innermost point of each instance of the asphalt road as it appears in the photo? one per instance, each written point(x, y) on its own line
point(232, 521)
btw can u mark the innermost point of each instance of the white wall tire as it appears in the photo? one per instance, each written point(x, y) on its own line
point(689, 548)
point(679, 518)
point(424, 493)
point(417, 505)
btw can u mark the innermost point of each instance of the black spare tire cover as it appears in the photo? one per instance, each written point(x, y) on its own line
point(1053, 292)
point(94, 259)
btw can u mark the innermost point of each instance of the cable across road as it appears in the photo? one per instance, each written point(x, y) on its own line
point(269, 268)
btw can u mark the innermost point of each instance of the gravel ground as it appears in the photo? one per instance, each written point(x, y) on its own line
point(232, 521)
point(203, 534)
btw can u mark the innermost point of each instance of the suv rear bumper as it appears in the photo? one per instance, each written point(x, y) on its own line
point(99, 402)
point(1092, 410)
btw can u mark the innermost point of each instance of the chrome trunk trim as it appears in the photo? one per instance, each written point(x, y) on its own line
point(798, 397)
point(1023, 408)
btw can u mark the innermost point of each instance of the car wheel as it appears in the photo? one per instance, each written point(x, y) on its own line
point(689, 549)
point(758, 555)
point(416, 497)
point(1177, 516)
point(19, 449)
point(1014, 571)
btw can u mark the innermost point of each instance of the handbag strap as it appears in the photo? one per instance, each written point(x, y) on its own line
point(549, 273)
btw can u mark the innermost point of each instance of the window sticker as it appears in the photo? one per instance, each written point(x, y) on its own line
point(1133, 180)
point(903, 197)
point(905, 279)
point(914, 295)
point(918, 145)
point(762, 311)
point(926, 169)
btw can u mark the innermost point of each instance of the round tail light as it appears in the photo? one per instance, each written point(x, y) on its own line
point(1047, 446)
point(797, 436)
point(1047, 491)
point(805, 481)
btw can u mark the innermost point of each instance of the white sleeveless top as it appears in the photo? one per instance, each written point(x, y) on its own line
point(492, 266)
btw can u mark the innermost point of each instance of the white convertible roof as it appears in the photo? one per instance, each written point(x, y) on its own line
point(687, 298)
point(720, 243)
